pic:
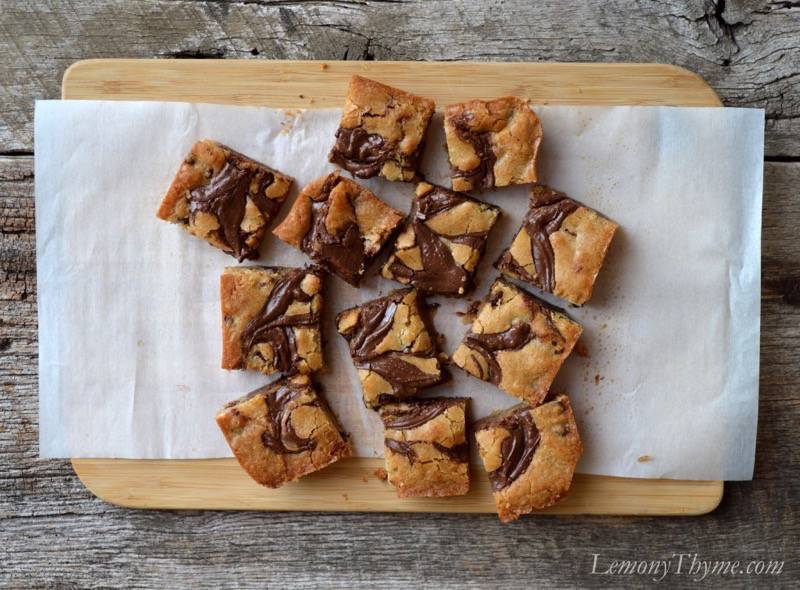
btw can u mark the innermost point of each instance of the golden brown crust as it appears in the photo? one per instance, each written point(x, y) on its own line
point(294, 344)
point(323, 219)
point(295, 226)
point(549, 474)
point(427, 457)
point(381, 131)
point(442, 243)
point(492, 143)
point(301, 437)
point(395, 358)
point(536, 339)
point(209, 162)
point(577, 247)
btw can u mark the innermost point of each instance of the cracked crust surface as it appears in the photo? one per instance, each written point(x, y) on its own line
point(442, 242)
point(225, 198)
point(492, 143)
point(530, 455)
point(392, 346)
point(560, 246)
point(271, 319)
point(517, 342)
point(382, 131)
point(425, 447)
point(282, 432)
point(339, 224)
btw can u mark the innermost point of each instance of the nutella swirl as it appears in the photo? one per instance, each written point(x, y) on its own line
point(225, 196)
point(281, 436)
point(359, 152)
point(488, 345)
point(516, 450)
point(375, 322)
point(415, 415)
point(515, 337)
point(548, 210)
point(406, 379)
point(271, 326)
point(440, 272)
point(459, 453)
point(342, 253)
point(482, 176)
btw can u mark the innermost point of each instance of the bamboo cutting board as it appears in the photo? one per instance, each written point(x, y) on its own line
point(352, 485)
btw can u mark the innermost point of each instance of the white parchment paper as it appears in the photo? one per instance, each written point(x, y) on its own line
point(129, 321)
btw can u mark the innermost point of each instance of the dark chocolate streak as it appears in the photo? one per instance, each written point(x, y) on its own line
point(271, 326)
point(359, 152)
point(415, 415)
point(406, 379)
point(440, 273)
point(515, 337)
point(458, 453)
point(482, 176)
point(344, 253)
point(225, 197)
point(281, 437)
point(374, 323)
point(487, 345)
point(516, 450)
point(542, 220)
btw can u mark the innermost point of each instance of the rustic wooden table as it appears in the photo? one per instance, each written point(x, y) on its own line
point(55, 534)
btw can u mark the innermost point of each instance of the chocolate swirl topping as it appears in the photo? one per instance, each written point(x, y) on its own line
point(516, 450)
point(513, 338)
point(359, 152)
point(440, 273)
point(482, 176)
point(375, 321)
point(225, 196)
point(343, 253)
point(281, 437)
point(416, 414)
point(487, 345)
point(272, 327)
point(548, 210)
point(458, 453)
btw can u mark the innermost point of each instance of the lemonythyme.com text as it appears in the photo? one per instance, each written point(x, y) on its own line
point(684, 564)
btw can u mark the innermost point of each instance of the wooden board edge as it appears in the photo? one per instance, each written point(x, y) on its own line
point(714, 490)
point(142, 484)
point(695, 83)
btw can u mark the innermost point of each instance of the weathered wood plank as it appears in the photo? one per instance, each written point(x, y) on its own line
point(53, 534)
point(748, 50)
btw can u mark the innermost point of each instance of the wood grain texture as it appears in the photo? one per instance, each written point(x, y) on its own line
point(351, 484)
point(319, 84)
point(748, 50)
point(55, 534)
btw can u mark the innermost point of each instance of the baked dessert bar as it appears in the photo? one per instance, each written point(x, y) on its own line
point(517, 342)
point(225, 198)
point(382, 131)
point(443, 241)
point(530, 455)
point(283, 431)
point(339, 224)
point(560, 247)
point(270, 319)
point(492, 143)
point(425, 446)
point(392, 346)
